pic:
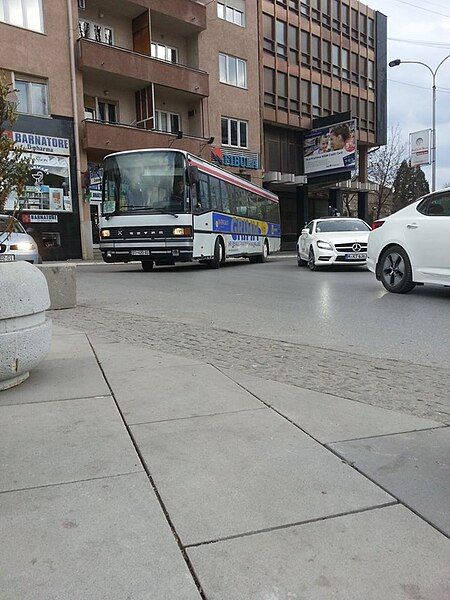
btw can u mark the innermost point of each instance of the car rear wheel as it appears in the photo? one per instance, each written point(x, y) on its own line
point(312, 260)
point(147, 265)
point(396, 271)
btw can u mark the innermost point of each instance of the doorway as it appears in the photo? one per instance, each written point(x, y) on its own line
point(95, 223)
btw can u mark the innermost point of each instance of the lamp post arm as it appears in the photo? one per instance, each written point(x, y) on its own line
point(440, 64)
point(418, 62)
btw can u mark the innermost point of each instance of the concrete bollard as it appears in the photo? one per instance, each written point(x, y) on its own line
point(62, 285)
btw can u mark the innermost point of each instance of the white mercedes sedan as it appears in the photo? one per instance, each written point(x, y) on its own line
point(333, 241)
point(412, 246)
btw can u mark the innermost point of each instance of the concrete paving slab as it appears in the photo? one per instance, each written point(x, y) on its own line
point(414, 467)
point(386, 553)
point(117, 357)
point(69, 371)
point(234, 473)
point(329, 418)
point(156, 394)
point(53, 442)
point(102, 539)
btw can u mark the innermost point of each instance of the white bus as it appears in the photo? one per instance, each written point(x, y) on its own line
point(163, 206)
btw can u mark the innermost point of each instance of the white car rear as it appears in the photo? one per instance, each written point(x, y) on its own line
point(413, 245)
point(333, 241)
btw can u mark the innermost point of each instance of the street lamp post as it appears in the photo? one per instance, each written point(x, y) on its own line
point(396, 63)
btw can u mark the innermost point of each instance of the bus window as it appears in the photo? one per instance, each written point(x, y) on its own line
point(224, 194)
point(214, 192)
point(273, 214)
point(241, 202)
point(203, 200)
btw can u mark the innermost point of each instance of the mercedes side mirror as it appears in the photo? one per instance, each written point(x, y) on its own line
point(304, 231)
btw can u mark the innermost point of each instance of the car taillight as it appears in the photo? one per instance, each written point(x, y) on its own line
point(377, 224)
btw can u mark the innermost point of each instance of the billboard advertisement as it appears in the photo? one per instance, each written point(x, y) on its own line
point(419, 143)
point(330, 148)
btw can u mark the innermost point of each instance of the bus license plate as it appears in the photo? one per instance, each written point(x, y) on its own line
point(140, 252)
point(355, 256)
point(7, 257)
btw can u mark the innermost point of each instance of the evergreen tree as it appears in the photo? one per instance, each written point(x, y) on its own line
point(409, 185)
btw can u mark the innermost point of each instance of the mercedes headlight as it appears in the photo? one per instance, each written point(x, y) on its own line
point(324, 245)
point(23, 246)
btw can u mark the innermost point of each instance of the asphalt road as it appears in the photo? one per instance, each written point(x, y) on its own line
point(345, 310)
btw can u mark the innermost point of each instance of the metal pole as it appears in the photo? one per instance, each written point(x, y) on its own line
point(434, 141)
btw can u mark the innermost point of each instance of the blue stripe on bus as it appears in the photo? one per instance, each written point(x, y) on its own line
point(244, 227)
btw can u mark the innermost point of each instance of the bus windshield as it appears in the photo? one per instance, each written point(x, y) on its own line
point(145, 182)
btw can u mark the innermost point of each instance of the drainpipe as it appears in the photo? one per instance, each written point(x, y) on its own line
point(86, 246)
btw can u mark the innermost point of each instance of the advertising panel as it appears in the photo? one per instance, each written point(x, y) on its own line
point(331, 148)
point(420, 143)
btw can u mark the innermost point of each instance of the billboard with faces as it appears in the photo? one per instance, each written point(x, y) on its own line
point(330, 148)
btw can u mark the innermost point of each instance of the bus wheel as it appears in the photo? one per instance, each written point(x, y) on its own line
point(219, 255)
point(261, 258)
point(147, 265)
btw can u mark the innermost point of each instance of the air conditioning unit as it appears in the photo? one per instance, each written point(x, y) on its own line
point(82, 4)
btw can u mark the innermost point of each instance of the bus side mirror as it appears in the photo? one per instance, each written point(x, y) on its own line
point(193, 175)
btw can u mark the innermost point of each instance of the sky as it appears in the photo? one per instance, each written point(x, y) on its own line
point(409, 86)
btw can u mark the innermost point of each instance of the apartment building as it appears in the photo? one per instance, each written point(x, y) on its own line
point(323, 63)
point(238, 82)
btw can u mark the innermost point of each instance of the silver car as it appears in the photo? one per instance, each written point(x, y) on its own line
point(15, 243)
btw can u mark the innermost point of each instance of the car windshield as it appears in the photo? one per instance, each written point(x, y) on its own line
point(341, 225)
point(6, 225)
point(149, 182)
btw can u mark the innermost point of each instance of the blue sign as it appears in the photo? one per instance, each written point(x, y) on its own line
point(242, 228)
point(240, 161)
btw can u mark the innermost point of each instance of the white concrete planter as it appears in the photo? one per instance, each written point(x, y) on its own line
point(25, 332)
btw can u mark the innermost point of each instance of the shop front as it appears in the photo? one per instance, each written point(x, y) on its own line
point(48, 208)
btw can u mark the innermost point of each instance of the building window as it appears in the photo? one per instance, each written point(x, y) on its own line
point(336, 107)
point(315, 99)
point(304, 37)
point(371, 32)
point(363, 27)
point(268, 36)
point(269, 86)
point(96, 32)
point(32, 96)
point(336, 56)
point(325, 6)
point(345, 64)
point(281, 39)
point(293, 44)
point(371, 74)
point(167, 121)
point(355, 107)
point(282, 91)
point(230, 14)
point(355, 68)
point(305, 95)
point(371, 116)
point(164, 52)
point(326, 56)
point(315, 9)
point(345, 19)
point(363, 113)
point(354, 24)
point(234, 132)
point(345, 102)
point(294, 103)
point(107, 111)
point(232, 70)
point(293, 5)
point(315, 51)
point(363, 72)
point(304, 8)
point(22, 13)
point(326, 101)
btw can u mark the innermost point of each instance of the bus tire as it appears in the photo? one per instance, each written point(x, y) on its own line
point(147, 265)
point(219, 255)
point(261, 258)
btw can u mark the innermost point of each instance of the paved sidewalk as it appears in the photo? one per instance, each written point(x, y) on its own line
point(133, 474)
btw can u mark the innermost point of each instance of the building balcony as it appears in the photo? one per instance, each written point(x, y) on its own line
point(138, 70)
point(100, 139)
point(190, 15)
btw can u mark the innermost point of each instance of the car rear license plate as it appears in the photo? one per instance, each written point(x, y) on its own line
point(355, 256)
point(7, 257)
point(140, 252)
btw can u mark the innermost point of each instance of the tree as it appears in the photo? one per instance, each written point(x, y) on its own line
point(409, 185)
point(383, 166)
point(15, 164)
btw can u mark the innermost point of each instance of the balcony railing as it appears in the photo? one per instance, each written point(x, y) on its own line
point(104, 138)
point(141, 69)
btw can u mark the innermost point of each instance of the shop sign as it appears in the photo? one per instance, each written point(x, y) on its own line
point(42, 218)
point(47, 144)
point(231, 158)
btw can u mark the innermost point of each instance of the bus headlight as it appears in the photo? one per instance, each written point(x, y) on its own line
point(186, 231)
point(104, 233)
point(23, 246)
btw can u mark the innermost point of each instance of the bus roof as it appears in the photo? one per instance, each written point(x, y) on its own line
point(209, 168)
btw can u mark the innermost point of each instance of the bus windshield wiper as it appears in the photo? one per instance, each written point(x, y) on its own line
point(163, 211)
point(152, 209)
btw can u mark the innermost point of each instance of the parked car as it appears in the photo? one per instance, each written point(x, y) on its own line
point(15, 243)
point(413, 245)
point(333, 241)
